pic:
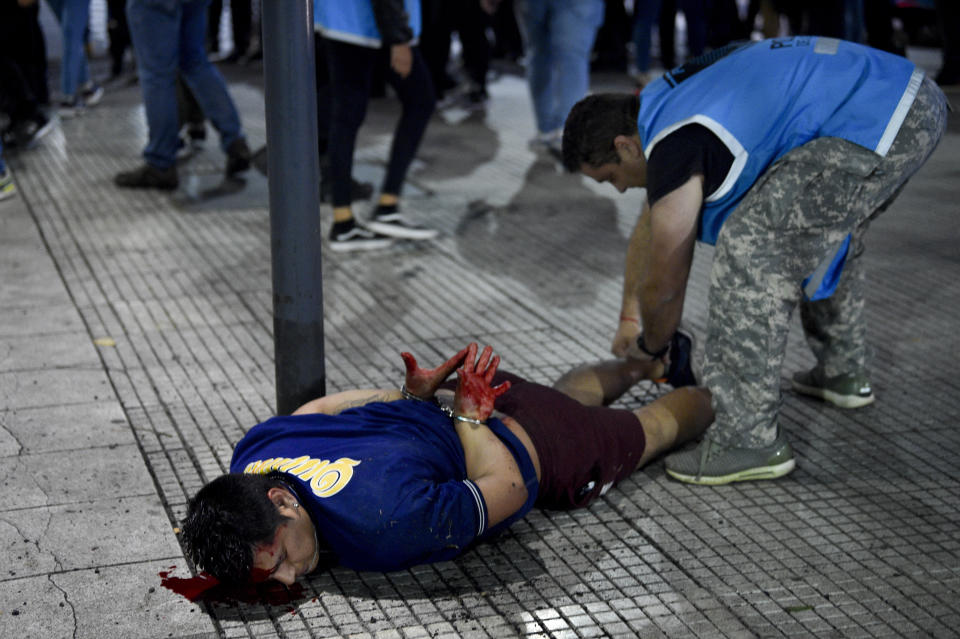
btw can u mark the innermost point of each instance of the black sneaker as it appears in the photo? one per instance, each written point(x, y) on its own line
point(681, 371)
point(350, 236)
point(387, 220)
point(148, 177)
point(238, 157)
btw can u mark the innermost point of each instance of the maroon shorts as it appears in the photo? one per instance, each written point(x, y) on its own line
point(583, 450)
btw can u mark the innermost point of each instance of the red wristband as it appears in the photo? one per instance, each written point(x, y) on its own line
point(625, 318)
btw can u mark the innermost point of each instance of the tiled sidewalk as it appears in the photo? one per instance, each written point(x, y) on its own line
point(136, 348)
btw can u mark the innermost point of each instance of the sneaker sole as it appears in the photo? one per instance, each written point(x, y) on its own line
point(359, 245)
point(750, 474)
point(401, 233)
point(6, 193)
point(842, 401)
point(41, 133)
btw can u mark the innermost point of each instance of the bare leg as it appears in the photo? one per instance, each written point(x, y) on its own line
point(667, 422)
point(603, 382)
point(674, 419)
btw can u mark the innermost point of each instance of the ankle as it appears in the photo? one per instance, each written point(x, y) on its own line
point(342, 214)
point(388, 199)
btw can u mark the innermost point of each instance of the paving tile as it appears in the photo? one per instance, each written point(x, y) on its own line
point(41, 352)
point(36, 388)
point(73, 476)
point(106, 532)
point(111, 602)
point(17, 321)
point(63, 427)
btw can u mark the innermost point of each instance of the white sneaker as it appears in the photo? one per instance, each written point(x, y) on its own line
point(92, 94)
point(395, 225)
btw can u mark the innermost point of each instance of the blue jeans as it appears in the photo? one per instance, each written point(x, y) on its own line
point(559, 37)
point(73, 16)
point(168, 38)
point(3, 166)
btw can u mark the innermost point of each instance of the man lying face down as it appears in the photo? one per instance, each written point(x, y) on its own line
point(386, 479)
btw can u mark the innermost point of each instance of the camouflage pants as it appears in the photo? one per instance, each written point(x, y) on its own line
point(799, 212)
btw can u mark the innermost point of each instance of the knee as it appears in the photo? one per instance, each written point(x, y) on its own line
point(421, 105)
point(347, 116)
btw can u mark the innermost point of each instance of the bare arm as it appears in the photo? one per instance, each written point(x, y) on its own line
point(663, 281)
point(657, 267)
point(638, 253)
point(339, 402)
point(490, 464)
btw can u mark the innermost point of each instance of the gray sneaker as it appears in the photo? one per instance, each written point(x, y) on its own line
point(712, 464)
point(846, 391)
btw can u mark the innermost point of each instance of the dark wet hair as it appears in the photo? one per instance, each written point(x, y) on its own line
point(592, 125)
point(227, 519)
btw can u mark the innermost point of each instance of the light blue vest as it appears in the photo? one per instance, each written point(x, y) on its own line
point(353, 21)
point(765, 98)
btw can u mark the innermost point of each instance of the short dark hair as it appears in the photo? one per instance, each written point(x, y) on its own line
point(226, 520)
point(592, 125)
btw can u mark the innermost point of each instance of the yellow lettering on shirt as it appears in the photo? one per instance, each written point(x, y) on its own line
point(324, 477)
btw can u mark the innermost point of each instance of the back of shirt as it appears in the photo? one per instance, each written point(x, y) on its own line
point(386, 483)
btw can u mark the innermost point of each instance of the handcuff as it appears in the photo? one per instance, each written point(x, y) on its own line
point(446, 410)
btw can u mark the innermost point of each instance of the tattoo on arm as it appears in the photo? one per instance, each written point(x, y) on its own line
point(374, 396)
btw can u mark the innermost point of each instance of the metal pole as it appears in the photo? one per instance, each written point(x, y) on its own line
point(293, 170)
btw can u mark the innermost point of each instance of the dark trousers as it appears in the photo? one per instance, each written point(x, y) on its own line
point(441, 19)
point(351, 69)
point(16, 98)
point(695, 13)
point(241, 17)
point(878, 22)
point(119, 34)
point(22, 43)
point(948, 15)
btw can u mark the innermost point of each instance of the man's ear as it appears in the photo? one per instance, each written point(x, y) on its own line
point(281, 497)
point(627, 146)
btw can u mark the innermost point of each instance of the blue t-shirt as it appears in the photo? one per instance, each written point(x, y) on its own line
point(385, 483)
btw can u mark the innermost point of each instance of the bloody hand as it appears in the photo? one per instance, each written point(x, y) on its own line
point(424, 382)
point(475, 396)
